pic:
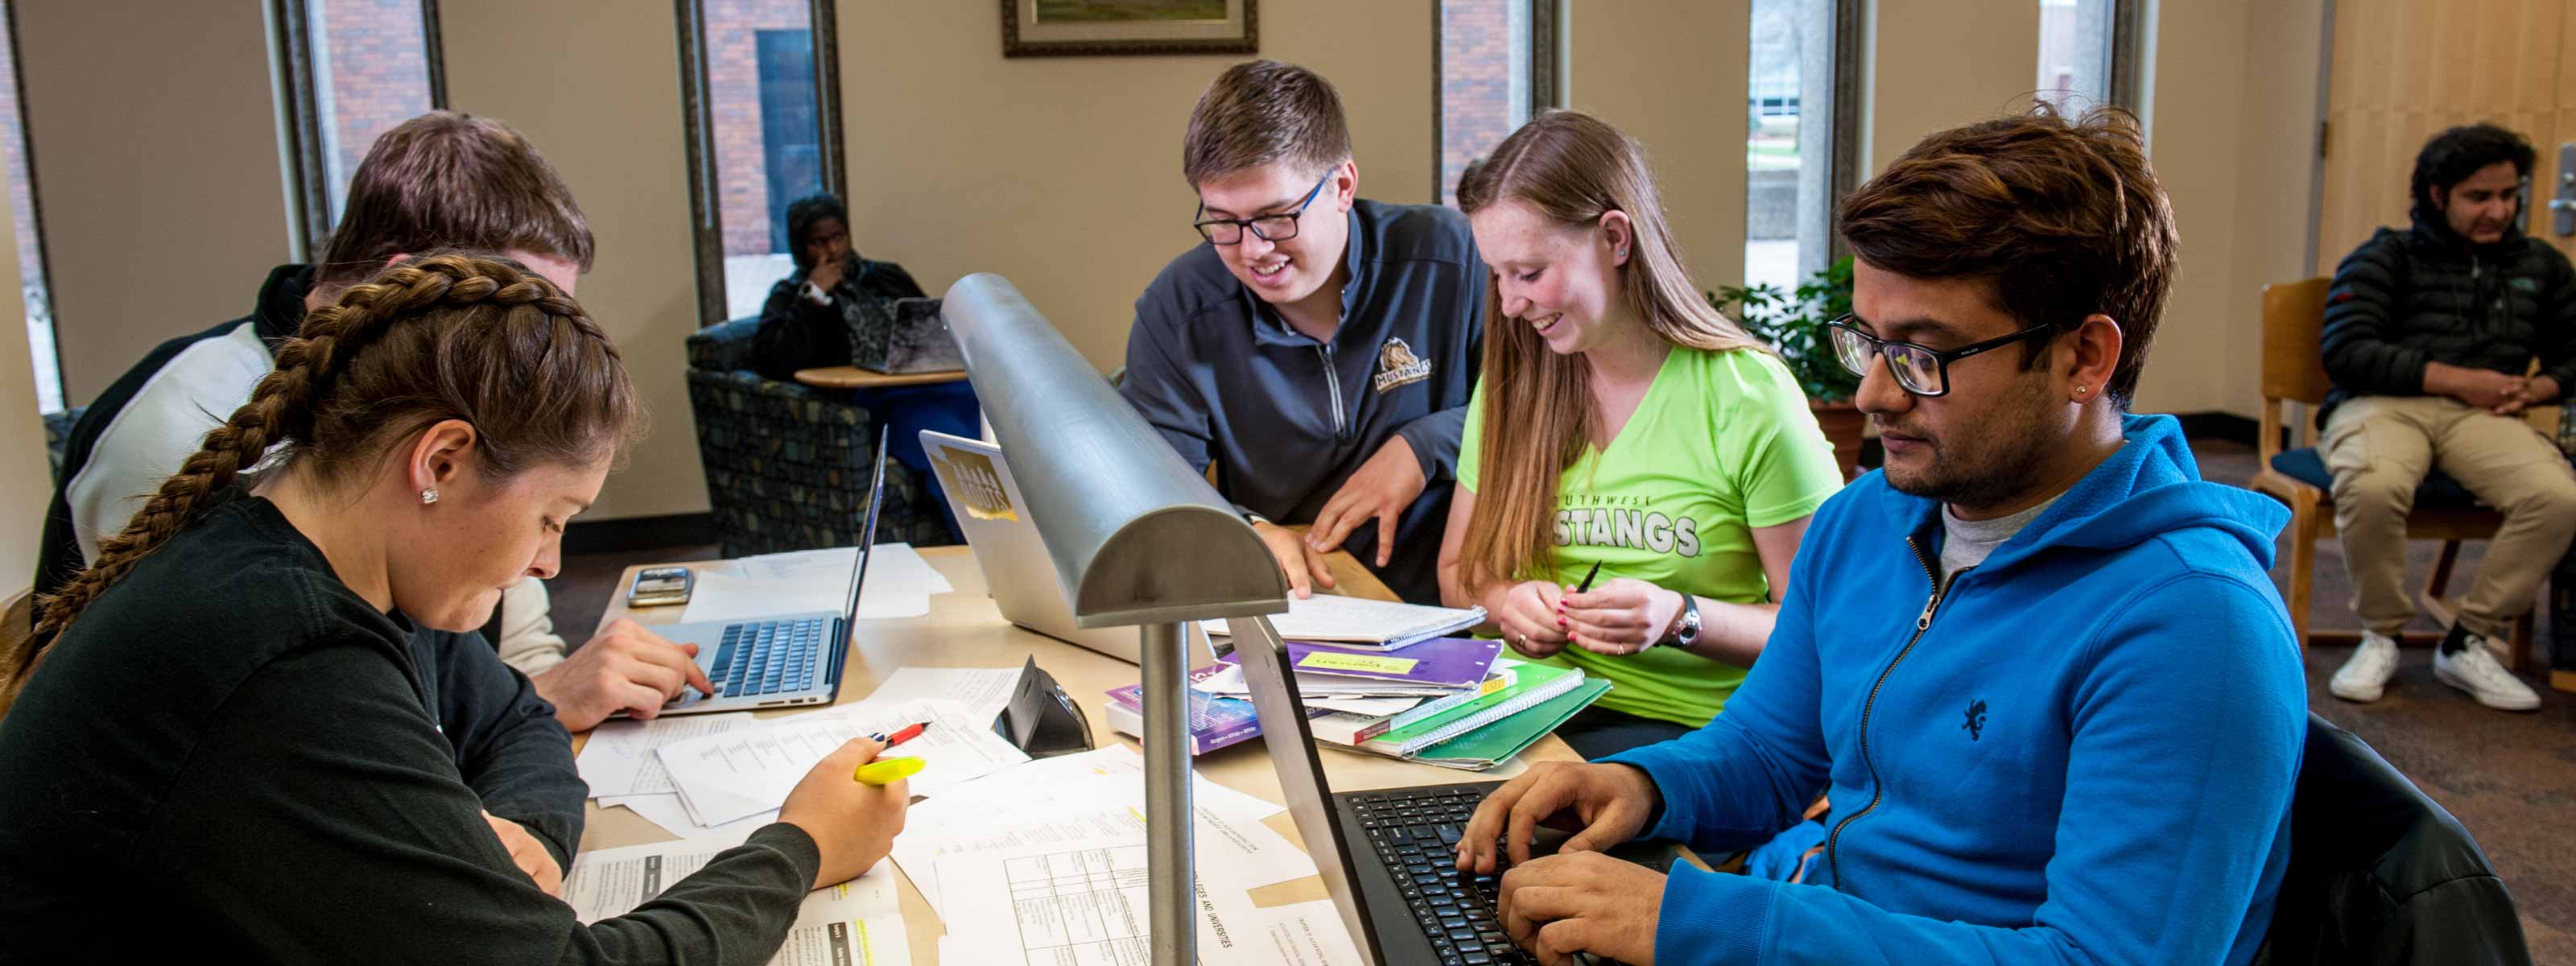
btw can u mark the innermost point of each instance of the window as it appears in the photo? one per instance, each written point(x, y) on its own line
point(762, 104)
point(1799, 150)
point(22, 212)
point(1485, 73)
point(2084, 48)
point(356, 68)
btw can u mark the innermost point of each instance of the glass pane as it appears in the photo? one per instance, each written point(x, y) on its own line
point(370, 72)
point(2075, 53)
point(1788, 151)
point(1484, 81)
point(760, 91)
point(22, 212)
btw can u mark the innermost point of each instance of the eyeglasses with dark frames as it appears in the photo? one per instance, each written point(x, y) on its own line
point(1276, 228)
point(1921, 370)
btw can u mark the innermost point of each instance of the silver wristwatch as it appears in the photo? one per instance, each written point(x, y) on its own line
point(1685, 631)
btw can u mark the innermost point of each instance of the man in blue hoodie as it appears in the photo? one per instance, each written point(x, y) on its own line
point(2036, 664)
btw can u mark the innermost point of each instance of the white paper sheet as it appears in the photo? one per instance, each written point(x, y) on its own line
point(872, 941)
point(1308, 934)
point(1074, 808)
point(982, 691)
point(611, 882)
point(618, 760)
point(748, 770)
point(1045, 904)
point(899, 584)
point(1333, 617)
point(667, 812)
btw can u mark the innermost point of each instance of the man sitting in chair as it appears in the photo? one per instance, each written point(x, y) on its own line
point(2428, 335)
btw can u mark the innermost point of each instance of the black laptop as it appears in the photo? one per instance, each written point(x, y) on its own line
point(1389, 857)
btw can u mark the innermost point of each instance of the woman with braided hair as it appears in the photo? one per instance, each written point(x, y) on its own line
point(234, 714)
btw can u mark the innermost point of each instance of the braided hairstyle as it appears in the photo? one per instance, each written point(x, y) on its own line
point(457, 335)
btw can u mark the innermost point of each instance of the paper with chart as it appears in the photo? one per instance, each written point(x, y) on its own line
point(618, 760)
point(750, 770)
point(899, 584)
point(1094, 811)
point(612, 882)
point(982, 691)
point(1043, 904)
point(873, 941)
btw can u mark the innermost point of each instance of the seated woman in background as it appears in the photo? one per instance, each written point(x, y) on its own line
point(1622, 422)
point(232, 718)
point(806, 322)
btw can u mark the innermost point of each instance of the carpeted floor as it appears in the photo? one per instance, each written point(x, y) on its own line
point(2510, 778)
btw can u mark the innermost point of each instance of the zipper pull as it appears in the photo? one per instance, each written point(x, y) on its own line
point(1924, 623)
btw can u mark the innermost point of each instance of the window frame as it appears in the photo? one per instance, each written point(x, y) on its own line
point(706, 211)
point(300, 135)
point(1545, 55)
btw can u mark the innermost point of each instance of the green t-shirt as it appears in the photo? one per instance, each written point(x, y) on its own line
point(1723, 443)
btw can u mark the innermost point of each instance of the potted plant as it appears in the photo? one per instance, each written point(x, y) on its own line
point(1794, 323)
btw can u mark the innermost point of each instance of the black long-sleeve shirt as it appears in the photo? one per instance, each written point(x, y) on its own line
point(232, 756)
point(1288, 419)
point(799, 333)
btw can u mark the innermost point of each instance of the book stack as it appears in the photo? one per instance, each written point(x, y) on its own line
point(1215, 721)
point(1358, 623)
point(1452, 701)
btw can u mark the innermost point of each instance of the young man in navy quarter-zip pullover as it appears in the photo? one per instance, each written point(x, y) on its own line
point(2036, 663)
point(1317, 347)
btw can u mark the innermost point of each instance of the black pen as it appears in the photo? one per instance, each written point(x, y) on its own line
point(1587, 578)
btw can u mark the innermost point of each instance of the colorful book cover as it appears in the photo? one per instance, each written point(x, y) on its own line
point(1351, 729)
point(1455, 662)
point(1214, 722)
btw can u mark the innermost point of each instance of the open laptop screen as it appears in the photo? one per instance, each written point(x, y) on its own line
point(1301, 773)
point(867, 531)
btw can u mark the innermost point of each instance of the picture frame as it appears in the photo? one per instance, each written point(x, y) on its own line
point(1084, 28)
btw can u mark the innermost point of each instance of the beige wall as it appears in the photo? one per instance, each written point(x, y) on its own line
point(26, 485)
point(1671, 73)
point(605, 109)
point(2232, 129)
point(1932, 65)
point(156, 168)
point(1063, 173)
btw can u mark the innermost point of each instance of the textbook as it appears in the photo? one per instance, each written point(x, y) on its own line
point(1359, 622)
point(1345, 728)
point(1215, 722)
point(1533, 685)
point(1455, 662)
point(1499, 742)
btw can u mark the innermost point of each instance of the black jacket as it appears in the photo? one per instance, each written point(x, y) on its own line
point(2380, 875)
point(799, 333)
point(1287, 418)
point(231, 757)
point(2426, 295)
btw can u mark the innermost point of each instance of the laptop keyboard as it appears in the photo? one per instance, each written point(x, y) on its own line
point(768, 657)
point(1415, 832)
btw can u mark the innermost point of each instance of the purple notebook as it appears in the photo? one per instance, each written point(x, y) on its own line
point(1214, 722)
point(1458, 662)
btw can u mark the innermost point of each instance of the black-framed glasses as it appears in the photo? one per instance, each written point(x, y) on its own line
point(1921, 370)
point(1276, 228)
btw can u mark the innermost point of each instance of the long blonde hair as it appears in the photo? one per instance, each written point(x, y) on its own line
point(1571, 168)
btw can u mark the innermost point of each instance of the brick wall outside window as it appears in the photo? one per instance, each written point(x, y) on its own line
point(1478, 44)
point(733, 86)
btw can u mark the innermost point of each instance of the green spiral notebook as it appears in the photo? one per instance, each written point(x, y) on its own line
point(1496, 743)
point(1493, 728)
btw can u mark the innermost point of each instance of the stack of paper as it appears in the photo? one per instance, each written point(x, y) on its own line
point(899, 584)
point(1489, 730)
point(746, 771)
point(1364, 623)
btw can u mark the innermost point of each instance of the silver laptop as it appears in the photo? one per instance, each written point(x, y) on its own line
point(1017, 569)
point(789, 659)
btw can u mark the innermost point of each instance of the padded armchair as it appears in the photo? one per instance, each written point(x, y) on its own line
point(2294, 371)
point(788, 465)
point(2380, 874)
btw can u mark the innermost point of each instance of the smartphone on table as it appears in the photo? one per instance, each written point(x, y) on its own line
point(659, 586)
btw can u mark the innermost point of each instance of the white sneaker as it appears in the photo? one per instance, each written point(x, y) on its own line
point(2365, 676)
point(2474, 669)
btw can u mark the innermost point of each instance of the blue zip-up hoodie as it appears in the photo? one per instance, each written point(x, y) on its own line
point(2080, 751)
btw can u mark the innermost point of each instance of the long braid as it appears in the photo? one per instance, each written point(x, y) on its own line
point(282, 410)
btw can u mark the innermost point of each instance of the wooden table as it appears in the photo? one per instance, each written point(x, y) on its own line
point(963, 629)
point(853, 377)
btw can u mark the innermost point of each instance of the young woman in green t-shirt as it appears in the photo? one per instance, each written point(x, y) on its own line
point(1621, 422)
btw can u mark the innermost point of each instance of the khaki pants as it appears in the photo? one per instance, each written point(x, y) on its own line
point(2380, 448)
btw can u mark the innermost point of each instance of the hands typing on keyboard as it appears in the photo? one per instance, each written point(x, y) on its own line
point(1576, 906)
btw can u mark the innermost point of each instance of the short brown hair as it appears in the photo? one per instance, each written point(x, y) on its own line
point(2064, 218)
point(449, 180)
point(1264, 111)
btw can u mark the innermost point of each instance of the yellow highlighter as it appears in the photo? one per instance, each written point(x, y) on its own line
point(887, 771)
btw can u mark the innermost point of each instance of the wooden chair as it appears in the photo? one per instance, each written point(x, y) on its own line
point(2294, 372)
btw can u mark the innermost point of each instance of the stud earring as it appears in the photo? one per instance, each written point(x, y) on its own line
point(2081, 390)
point(1623, 253)
point(428, 495)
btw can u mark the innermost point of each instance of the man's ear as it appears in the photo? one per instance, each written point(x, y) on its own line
point(2095, 348)
point(1346, 184)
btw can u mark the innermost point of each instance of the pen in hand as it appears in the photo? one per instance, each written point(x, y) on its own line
point(1587, 578)
point(885, 771)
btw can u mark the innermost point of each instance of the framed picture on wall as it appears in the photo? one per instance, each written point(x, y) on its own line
point(1060, 28)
